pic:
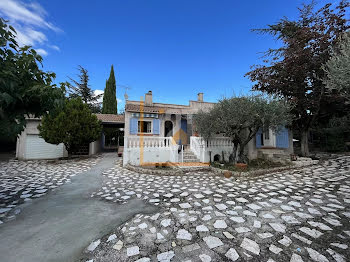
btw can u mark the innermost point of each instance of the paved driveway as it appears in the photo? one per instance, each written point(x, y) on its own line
point(58, 225)
point(300, 215)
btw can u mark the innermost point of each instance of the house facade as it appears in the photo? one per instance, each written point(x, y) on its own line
point(158, 133)
point(152, 132)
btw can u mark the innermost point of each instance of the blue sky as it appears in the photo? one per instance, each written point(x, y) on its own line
point(174, 48)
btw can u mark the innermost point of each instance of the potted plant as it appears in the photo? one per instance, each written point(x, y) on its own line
point(241, 166)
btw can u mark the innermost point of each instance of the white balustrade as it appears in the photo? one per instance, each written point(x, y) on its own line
point(146, 142)
point(149, 149)
point(216, 145)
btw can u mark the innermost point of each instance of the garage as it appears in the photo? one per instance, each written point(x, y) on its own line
point(37, 148)
point(31, 146)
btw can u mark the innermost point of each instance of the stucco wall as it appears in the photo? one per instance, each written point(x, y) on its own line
point(150, 155)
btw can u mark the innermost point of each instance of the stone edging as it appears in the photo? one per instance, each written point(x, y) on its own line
point(175, 171)
point(168, 172)
point(260, 172)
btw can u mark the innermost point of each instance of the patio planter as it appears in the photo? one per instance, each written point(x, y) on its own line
point(227, 174)
point(241, 166)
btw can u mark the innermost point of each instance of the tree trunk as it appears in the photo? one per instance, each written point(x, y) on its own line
point(241, 156)
point(304, 143)
point(235, 153)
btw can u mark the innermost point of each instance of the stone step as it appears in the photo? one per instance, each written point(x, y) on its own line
point(190, 156)
point(190, 160)
point(193, 155)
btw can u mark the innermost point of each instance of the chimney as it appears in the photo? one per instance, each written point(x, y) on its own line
point(148, 99)
point(200, 97)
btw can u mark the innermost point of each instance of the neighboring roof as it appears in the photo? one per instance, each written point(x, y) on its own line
point(110, 118)
point(146, 109)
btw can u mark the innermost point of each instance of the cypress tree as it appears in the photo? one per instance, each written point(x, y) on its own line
point(109, 105)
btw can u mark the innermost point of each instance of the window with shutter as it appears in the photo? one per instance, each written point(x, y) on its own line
point(258, 138)
point(282, 138)
point(133, 126)
point(156, 126)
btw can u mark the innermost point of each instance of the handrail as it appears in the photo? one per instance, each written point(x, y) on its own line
point(182, 153)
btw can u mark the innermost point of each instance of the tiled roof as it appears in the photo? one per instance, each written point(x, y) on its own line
point(110, 118)
point(146, 109)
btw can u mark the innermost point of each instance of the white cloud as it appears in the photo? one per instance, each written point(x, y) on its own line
point(31, 14)
point(29, 36)
point(41, 52)
point(29, 20)
point(55, 47)
point(99, 92)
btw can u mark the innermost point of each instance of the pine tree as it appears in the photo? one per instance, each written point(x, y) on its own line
point(81, 88)
point(73, 125)
point(109, 105)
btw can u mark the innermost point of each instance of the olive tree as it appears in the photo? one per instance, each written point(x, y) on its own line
point(240, 118)
point(338, 68)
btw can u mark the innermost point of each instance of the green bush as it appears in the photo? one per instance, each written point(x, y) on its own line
point(73, 125)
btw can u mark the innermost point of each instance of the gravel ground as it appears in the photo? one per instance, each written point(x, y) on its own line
point(295, 215)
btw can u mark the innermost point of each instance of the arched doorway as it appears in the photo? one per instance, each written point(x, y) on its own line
point(168, 128)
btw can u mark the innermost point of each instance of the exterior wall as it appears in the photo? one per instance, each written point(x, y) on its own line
point(95, 147)
point(133, 156)
point(252, 150)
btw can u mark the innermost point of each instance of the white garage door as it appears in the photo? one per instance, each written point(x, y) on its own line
point(37, 148)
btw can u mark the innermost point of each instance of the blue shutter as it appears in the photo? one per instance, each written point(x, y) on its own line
point(133, 126)
point(156, 126)
point(258, 138)
point(282, 138)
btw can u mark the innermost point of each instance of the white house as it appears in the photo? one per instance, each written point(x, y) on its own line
point(158, 132)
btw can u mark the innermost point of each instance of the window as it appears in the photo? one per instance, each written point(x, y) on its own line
point(144, 127)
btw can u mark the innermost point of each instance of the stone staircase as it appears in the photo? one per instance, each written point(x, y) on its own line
point(189, 156)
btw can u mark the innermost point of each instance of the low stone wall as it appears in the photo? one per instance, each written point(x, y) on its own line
point(170, 171)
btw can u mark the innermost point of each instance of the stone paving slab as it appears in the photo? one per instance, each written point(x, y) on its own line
point(300, 215)
point(23, 181)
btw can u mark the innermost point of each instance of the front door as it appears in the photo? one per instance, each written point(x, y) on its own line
point(168, 128)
